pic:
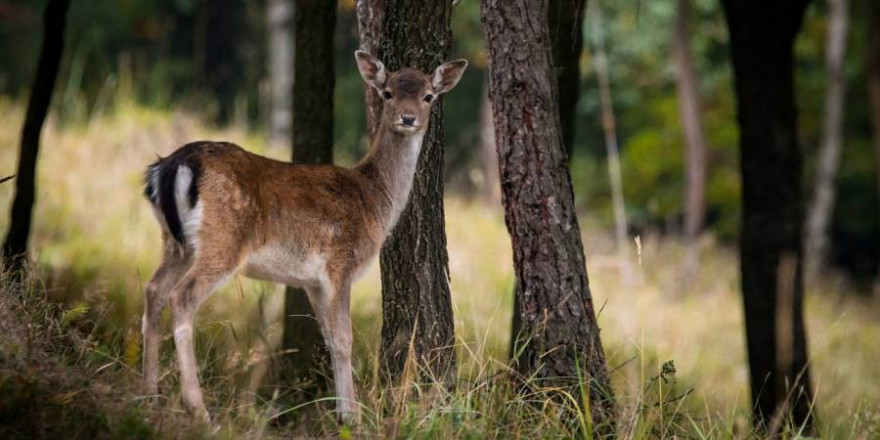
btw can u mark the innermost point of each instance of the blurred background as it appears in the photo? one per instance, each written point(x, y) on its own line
point(141, 77)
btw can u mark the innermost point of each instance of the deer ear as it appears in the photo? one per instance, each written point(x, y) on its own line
point(372, 70)
point(446, 76)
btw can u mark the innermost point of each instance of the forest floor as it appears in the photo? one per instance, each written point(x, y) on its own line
point(70, 337)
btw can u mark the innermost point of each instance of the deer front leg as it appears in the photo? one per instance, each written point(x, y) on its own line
point(331, 303)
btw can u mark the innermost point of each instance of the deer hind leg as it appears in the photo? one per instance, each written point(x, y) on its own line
point(174, 266)
point(331, 303)
point(210, 268)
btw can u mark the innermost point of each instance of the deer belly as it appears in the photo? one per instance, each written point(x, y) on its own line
point(284, 266)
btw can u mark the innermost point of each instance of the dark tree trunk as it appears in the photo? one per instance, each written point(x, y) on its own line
point(565, 22)
point(223, 65)
point(552, 289)
point(371, 17)
point(565, 19)
point(762, 36)
point(16, 243)
point(872, 18)
point(313, 82)
point(416, 304)
point(695, 141)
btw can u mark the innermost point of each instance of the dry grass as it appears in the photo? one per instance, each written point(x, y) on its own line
point(96, 244)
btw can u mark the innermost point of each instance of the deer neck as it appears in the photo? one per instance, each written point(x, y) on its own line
point(391, 165)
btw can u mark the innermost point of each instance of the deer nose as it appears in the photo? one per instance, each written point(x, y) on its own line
point(408, 120)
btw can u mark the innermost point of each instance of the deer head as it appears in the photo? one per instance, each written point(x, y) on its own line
point(408, 94)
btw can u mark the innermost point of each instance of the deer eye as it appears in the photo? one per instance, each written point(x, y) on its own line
point(429, 98)
point(386, 94)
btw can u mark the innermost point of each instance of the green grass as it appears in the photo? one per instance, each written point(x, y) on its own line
point(96, 243)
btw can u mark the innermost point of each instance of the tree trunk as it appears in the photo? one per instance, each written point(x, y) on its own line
point(762, 37)
point(488, 159)
point(565, 18)
point(872, 17)
point(371, 16)
point(610, 129)
point(552, 289)
point(223, 65)
point(16, 243)
point(417, 319)
point(822, 206)
point(313, 23)
point(279, 20)
point(695, 141)
point(565, 25)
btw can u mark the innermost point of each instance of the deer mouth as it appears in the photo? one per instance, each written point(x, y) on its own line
point(403, 128)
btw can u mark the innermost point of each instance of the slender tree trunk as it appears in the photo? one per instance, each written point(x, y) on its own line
point(16, 244)
point(279, 20)
point(223, 64)
point(417, 320)
point(695, 141)
point(555, 305)
point(488, 159)
point(872, 18)
point(822, 206)
point(314, 22)
point(610, 129)
point(762, 36)
point(371, 17)
point(565, 19)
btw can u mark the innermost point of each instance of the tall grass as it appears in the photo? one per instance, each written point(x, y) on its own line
point(676, 351)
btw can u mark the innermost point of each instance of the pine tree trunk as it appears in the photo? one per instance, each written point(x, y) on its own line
point(565, 19)
point(15, 246)
point(279, 20)
point(314, 22)
point(223, 64)
point(488, 160)
point(695, 141)
point(565, 23)
point(872, 18)
point(417, 320)
point(822, 206)
point(371, 17)
point(609, 127)
point(552, 289)
point(762, 36)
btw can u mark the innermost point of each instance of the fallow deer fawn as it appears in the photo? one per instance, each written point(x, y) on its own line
point(223, 210)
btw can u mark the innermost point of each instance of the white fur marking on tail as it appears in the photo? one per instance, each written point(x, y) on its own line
point(190, 218)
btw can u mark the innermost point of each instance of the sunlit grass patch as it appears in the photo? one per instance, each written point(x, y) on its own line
point(96, 244)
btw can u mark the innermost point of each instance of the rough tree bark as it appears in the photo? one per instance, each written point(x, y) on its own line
point(565, 25)
point(279, 21)
point(822, 205)
point(417, 319)
point(695, 141)
point(762, 36)
point(314, 22)
point(555, 305)
point(371, 17)
point(16, 243)
point(565, 19)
